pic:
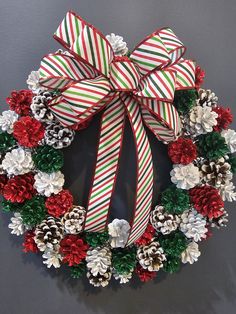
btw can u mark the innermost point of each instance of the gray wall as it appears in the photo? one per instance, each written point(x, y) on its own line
point(207, 28)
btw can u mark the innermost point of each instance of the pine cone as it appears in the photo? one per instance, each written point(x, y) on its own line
point(220, 221)
point(17, 225)
point(48, 159)
point(18, 161)
point(99, 280)
point(227, 192)
point(201, 120)
point(39, 107)
point(212, 146)
point(151, 256)
point(207, 97)
point(191, 254)
point(19, 188)
point(216, 173)
point(193, 225)
point(73, 220)
point(58, 136)
point(48, 234)
point(207, 201)
point(118, 45)
point(7, 142)
point(122, 278)
point(98, 260)
point(163, 221)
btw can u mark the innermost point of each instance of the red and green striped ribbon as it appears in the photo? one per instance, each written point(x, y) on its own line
point(150, 54)
point(185, 74)
point(108, 154)
point(174, 46)
point(124, 75)
point(69, 29)
point(161, 118)
point(89, 79)
point(144, 179)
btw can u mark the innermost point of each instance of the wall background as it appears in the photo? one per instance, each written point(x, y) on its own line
point(207, 28)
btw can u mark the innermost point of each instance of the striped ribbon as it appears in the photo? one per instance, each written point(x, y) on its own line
point(144, 180)
point(111, 133)
point(90, 78)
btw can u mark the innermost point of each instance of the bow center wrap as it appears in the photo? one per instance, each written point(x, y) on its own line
point(90, 78)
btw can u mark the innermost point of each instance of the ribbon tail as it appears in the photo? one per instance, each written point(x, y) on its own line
point(106, 169)
point(144, 179)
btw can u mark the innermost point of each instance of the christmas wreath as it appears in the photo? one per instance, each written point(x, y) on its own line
point(156, 89)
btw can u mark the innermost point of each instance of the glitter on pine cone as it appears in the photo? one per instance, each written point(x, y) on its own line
point(78, 270)
point(199, 77)
point(57, 205)
point(172, 265)
point(3, 182)
point(212, 146)
point(174, 243)
point(163, 221)
point(28, 132)
point(48, 159)
point(144, 274)
point(20, 101)
point(124, 260)
point(147, 236)
point(174, 200)
point(19, 188)
point(207, 201)
point(185, 100)
point(99, 280)
point(183, 151)
point(29, 244)
point(73, 249)
point(33, 211)
point(8, 206)
point(95, 239)
point(7, 141)
point(225, 118)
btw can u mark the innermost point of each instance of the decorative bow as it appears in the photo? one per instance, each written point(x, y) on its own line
point(90, 78)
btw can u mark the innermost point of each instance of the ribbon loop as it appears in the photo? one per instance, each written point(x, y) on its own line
point(174, 46)
point(57, 71)
point(150, 54)
point(69, 29)
point(85, 42)
point(94, 49)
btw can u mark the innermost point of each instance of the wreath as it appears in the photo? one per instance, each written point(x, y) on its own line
point(156, 89)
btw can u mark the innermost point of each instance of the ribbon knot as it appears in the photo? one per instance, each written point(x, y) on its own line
point(142, 86)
